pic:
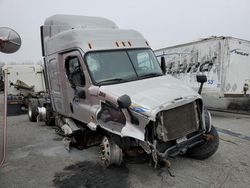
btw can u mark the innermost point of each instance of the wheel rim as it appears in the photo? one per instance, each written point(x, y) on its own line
point(111, 153)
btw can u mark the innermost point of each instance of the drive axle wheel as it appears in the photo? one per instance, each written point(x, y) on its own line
point(111, 153)
point(32, 112)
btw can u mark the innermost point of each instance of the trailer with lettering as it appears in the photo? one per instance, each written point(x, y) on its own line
point(226, 63)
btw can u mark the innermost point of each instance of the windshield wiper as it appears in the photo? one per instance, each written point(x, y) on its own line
point(151, 75)
point(114, 80)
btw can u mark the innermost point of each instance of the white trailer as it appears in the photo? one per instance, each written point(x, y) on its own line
point(226, 63)
point(25, 79)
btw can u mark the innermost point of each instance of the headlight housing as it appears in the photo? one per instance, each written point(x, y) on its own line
point(111, 115)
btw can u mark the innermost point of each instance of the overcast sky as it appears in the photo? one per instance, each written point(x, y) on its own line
point(162, 22)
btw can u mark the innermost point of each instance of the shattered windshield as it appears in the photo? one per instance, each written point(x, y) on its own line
point(109, 67)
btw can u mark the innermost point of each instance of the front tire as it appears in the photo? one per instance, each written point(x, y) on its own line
point(207, 149)
point(111, 153)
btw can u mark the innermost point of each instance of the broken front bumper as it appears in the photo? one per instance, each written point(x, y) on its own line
point(183, 146)
point(176, 148)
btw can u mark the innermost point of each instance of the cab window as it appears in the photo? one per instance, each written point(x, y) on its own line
point(74, 71)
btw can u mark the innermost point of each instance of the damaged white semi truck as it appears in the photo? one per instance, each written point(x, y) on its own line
point(106, 81)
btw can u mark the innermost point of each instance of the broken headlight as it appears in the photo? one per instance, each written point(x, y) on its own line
point(110, 114)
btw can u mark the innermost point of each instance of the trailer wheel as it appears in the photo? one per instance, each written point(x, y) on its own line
point(32, 110)
point(208, 148)
point(111, 153)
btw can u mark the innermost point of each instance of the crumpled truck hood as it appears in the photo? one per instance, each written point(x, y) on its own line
point(149, 96)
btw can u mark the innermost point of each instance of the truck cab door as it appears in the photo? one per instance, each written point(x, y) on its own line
point(77, 81)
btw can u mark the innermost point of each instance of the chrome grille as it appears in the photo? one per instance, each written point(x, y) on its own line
point(180, 121)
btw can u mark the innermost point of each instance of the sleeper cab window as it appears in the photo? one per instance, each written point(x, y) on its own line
point(74, 72)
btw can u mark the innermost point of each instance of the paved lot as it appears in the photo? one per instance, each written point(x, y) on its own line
point(36, 158)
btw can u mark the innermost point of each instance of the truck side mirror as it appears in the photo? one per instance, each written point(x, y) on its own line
point(201, 79)
point(124, 101)
point(163, 65)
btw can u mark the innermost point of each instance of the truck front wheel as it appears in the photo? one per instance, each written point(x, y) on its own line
point(208, 148)
point(111, 153)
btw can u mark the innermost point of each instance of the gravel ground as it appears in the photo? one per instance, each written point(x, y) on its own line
point(36, 158)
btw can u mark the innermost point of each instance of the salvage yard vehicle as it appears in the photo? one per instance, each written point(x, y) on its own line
point(106, 81)
point(25, 83)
